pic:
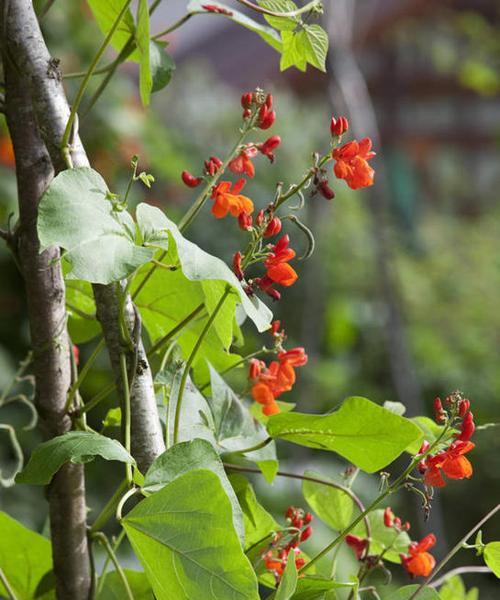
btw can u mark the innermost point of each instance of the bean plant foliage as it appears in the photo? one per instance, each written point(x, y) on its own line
point(196, 525)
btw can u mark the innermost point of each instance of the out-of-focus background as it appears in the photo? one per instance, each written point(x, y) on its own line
point(400, 300)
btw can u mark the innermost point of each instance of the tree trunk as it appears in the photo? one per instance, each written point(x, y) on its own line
point(51, 348)
point(32, 58)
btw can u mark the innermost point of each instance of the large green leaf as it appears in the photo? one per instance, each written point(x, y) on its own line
point(307, 44)
point(113, 588)
point(105, 13)
point(25, 558)
point(184, 457)
point(288, 583)
point(281, 6)
point(430, 432)
point(259, 524)
point(364, 433)
point(269, 35)
point(142, 41)
point(491, 557)
point(332, 505)
point(75, 214)
point(184, 537)
point(383, 537)
point(313, 587)
point(236, 429)
point(198, 265)
point(407, 591)
point(293, 54)
point(78, 447)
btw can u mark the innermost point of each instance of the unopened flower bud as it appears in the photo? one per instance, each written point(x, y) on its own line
point(266, 117)
point(338, 126)
point(269, 101)
point(273, 227)
point(259, 218)
point(275, 326)
point(467, 428)
point(246, 100)
point(255, 368)
point(190, 180)
point(424, 447)
point(308, 518)
point(388, 517)
point(306, 534)
point(325, 190)
point(76, 354)
point(439, 413)
point(463, 407)
point(245, 221)
point(237, 266)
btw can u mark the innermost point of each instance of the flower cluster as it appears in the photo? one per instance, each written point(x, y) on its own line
point(450, 461)
point(269, 382)
point(286, 542)
point(352, 163)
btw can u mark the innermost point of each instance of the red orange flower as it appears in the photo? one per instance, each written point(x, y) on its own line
point(278, 269)
point(242, 163)
point(228, 199)
point(352, 163)
point(418, 562)
point(357, 544)
point(451, 462)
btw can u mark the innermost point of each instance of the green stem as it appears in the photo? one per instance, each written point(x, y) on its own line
point(80, 74)
point(454, 550)
point(83, 86)
point(126, 420)
point(119, 508)
point(7, 586)
point(177, 24)
point(272, 13)
point(103, 540)
point(190, 360)
point(173, 332)
point(296, 188)
point(23, 365)
point(83, 374)
point(109, 510)
point(102, 578)
point(258, 446)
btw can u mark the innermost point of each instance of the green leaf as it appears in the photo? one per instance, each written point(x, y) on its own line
point(258, 523)
point(293, 54)
point(184, 537)
point(78, 447)
point(333, 506)
point(383, 537)
point(398, 408)
point(281, 6)
point(142, 41)
point(491, 556)
point(25, 558)
point(407, 591)
point(269, 35)
point(75, 214)
point(315, 46)
point(288, 583)
point(184, 457)
point(198, 265)
point(162, 66)
point(236, 429)
point(105, 13)
point(113, 418)
point(113, 588)
point(364, 433)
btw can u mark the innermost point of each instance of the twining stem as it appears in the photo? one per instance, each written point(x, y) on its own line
point(109, 509)
point(173, 332)
point(23, 365)
point(190, 360)
point(318, 480)
point(126, 414)
point(102, 578)
point(103, 540)
point(93, 402)
point(177, 24)
point(83, 374)
point(258, 446)
point(454, 550)
point(459, 571)
point(296, 188)
point(83, 86)
point(7, 586)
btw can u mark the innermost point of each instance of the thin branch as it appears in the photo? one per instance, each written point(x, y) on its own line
point(103, 540)
point(459, 571)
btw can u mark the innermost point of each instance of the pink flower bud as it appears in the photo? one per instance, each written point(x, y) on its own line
point(190, 180)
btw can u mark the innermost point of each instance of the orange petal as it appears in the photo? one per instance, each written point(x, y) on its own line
point(458, 468)
point(421, 564)
point(434, 478)
point(283, 274)
point(262, 394)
